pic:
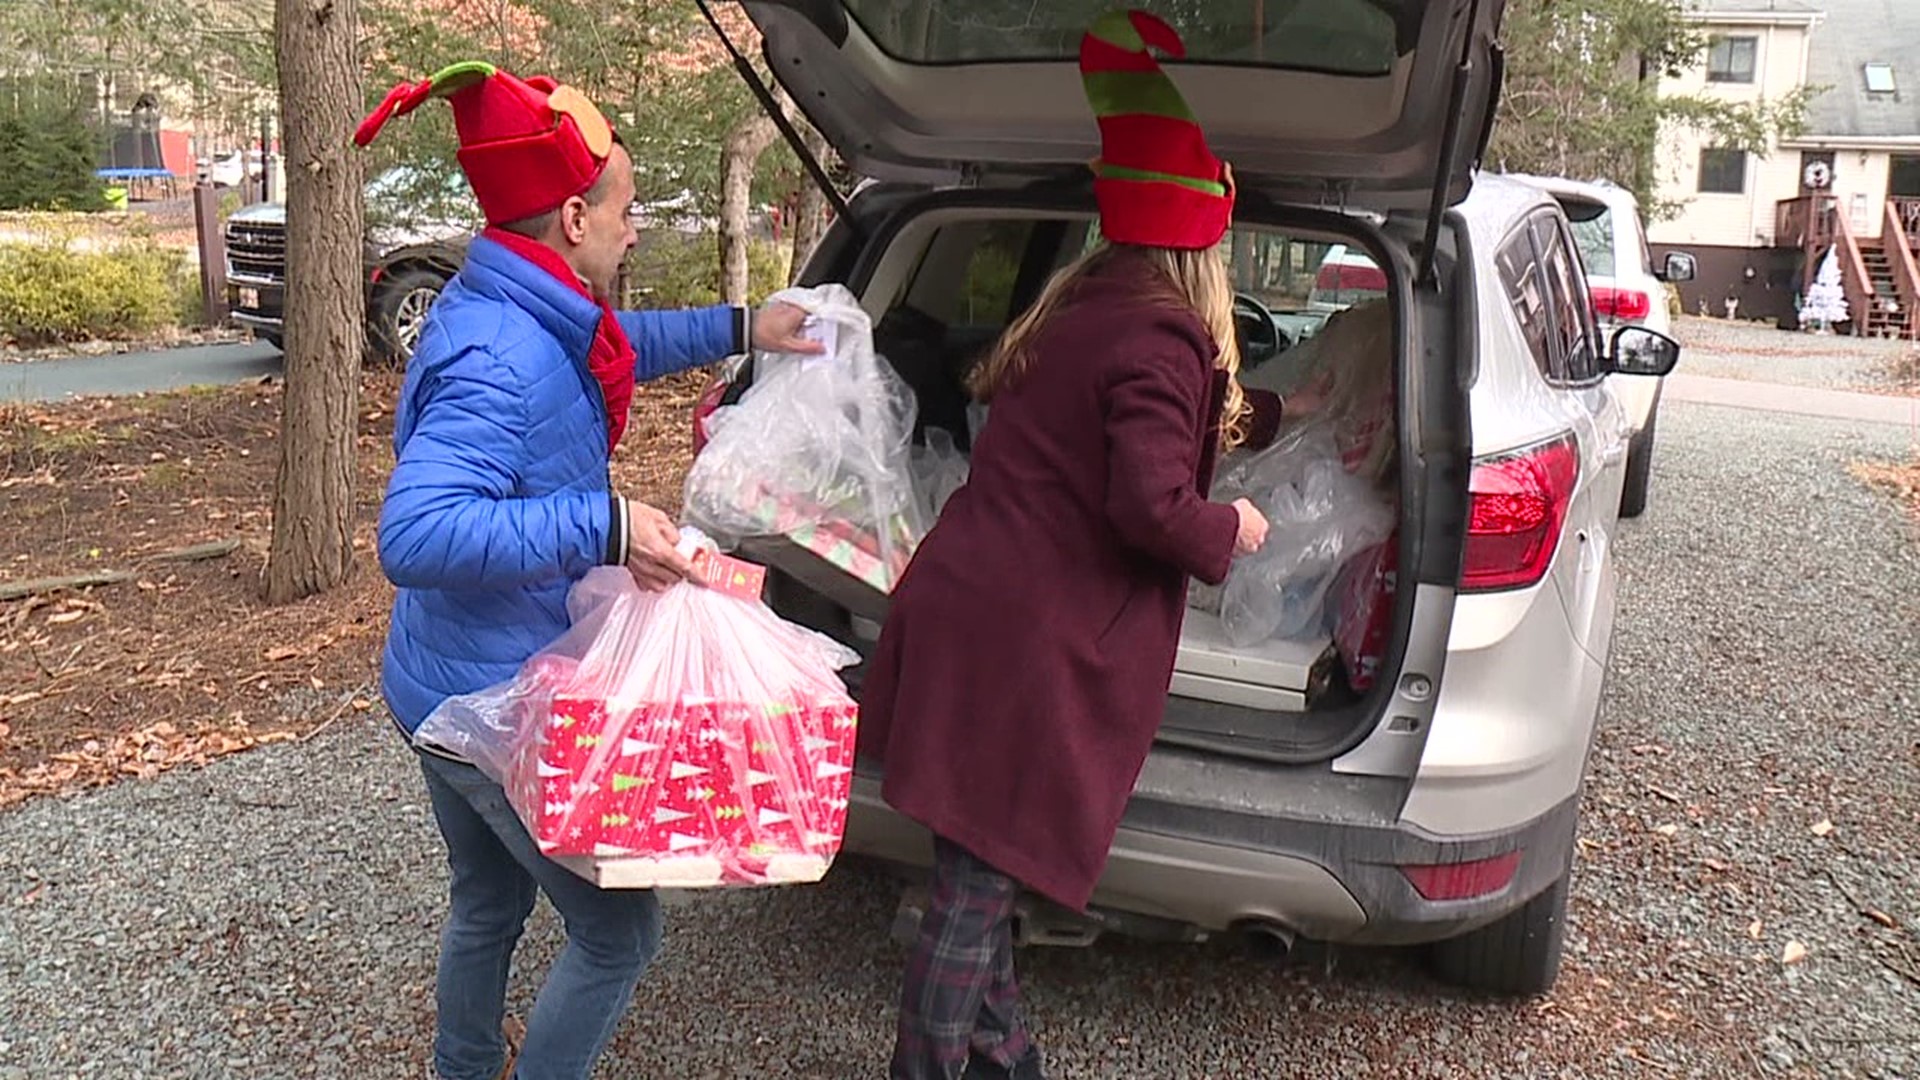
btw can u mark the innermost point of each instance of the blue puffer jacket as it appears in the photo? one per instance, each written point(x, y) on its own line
point(500, 498)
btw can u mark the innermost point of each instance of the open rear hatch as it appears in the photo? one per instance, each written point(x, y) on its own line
point(1386, 103)
point(1377, 104)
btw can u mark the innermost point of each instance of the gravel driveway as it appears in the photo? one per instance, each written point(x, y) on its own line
point(1717, 348)
point(274, 915)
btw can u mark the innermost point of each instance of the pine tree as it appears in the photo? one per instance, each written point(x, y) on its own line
point(48, 149)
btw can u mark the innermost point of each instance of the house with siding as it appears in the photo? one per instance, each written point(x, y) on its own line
point(1760, 224)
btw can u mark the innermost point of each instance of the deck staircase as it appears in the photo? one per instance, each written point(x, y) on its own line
point(1878, 271)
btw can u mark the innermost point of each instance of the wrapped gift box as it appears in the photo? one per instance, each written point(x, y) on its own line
point(692, 792)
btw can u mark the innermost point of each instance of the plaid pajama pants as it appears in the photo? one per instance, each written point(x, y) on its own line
point(960, 1005)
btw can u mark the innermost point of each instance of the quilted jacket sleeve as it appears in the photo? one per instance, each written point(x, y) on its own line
point(451, 519)
point(666, 342)
point(1155, 407)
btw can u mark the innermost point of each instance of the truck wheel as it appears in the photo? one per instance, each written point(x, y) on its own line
point(400, 307)
point(1633, 495)
point(1519, 956)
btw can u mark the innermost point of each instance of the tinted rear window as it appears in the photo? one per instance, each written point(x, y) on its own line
point(1347, 37)
point(1593, 234)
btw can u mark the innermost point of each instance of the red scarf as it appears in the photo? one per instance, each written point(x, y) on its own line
point(610, 358)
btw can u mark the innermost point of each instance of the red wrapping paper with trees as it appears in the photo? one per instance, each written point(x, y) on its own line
point(690, 738)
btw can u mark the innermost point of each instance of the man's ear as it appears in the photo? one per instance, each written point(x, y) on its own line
point(573, 220)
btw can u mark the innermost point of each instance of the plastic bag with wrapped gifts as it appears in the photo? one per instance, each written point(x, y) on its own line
point(1319, 515)
point(687, 738)
point(817, 442)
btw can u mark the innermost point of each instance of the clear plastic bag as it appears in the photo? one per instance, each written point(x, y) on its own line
point(817, 450)
point(687, 738)
point(1319, 516)
point(939, 470)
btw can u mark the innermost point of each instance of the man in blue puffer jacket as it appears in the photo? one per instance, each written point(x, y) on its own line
point(499, 501)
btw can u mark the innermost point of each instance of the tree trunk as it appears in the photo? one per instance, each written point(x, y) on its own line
point(317, 56)
point(738, 157)
point(810, 219)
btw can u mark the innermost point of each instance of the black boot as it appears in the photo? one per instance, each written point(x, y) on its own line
point(1028, 1068)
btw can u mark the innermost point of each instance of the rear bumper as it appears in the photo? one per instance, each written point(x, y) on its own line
point(1201, 870)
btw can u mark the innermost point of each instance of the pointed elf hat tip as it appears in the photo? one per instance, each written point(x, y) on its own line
point(1157, 182)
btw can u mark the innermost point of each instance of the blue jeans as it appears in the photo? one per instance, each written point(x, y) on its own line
point(496, 872)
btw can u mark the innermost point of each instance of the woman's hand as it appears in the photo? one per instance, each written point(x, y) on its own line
point(1253, 528)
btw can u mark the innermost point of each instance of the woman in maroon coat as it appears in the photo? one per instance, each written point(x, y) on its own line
point(1024, 666)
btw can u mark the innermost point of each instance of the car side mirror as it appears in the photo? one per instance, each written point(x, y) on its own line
point(1679, 266)
point(1639, 351)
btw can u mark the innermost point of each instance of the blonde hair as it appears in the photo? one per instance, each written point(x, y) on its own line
point(1195, 281)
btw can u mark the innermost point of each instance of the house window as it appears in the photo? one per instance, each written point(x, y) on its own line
point(1880, 79)
point(1723, 172)
point(1731, 59)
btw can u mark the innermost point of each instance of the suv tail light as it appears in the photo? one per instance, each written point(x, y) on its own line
point(1519, 503)
point(1338, 277)
point(1626, 305)
point(704, 408)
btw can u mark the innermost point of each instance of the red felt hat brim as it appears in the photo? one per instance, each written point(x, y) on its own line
point(1155, 213)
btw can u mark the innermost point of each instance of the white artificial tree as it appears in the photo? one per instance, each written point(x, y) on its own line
point(1826, 301)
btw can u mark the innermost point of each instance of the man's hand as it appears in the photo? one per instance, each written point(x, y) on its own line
point(653, 558)
point(777, 329)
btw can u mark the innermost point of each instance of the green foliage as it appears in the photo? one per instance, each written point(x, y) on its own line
point(48, 148)
point(677, 270)
point(216, 49)
point(50, 292)
point(1582, 96)
point(652, 66)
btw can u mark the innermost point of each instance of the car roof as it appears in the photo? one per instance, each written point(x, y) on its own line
point(1498, 203)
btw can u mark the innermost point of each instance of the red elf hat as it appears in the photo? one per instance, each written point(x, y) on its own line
point(1157, 183)
point(526, 145)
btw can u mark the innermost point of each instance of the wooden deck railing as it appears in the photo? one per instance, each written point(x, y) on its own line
point(1805, 223)
point(1907, 210)
point(1899, 240)
point(1853, 271)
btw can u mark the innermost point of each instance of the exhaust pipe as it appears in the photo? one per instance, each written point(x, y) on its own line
point(1269, 935)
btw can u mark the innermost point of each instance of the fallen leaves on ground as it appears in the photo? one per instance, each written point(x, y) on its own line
point(145, 753)
point(1896, 478)
point(148, 672)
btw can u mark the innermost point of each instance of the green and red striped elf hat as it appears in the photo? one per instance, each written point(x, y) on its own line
point(1156, 182)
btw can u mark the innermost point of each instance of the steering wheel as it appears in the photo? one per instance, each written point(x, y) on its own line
point(1261, 338)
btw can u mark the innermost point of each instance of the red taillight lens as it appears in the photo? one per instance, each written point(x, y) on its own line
point(1463, 881)
point(1350, 277)
point(1627, 305)
point(709, 401)
point(1519, 504)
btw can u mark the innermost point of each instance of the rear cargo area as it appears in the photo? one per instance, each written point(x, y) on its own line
point(1281, 656)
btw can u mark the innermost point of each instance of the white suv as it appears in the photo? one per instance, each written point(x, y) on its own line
point(1436, 804)
point(1627, 291)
